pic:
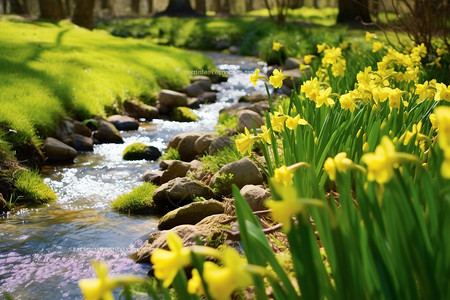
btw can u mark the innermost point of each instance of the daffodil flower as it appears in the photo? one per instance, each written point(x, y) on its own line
point(255, 76)
point(245, 142)
point(167, 263)
point(195, 285)
point(370, 36)
point(276, 80)
point(307, 59)
point(276, 46)
point(266, 134)
point(442, 92)
point(102, 287)
point(340, 163)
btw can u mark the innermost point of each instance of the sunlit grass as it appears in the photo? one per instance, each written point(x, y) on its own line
point(31, 189)
point(139, 200)
point(320, 16)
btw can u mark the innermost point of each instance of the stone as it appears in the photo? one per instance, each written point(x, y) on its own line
point(196, 170)
point(193, 90)
point(124, 123)
point(219, 143)
point(186, 147)
point(190, 214)
point(259, 107)
point(291, 63)
point(164, 164)
point(295, 73)
point(81, 129)
point(234, 108)
point(139, 110)
point(246, 118)
point(178, 192)
point(176, 169)
point(203, 81)
point(172, 99)
point(255, 195)
point(152, 153)
point(138, 151)
point(162, 109)
point(81, 143)
point(243, 171)
point(233, 49)
point(194, 103)
point(64, 129)
point(203, 142)
point(152, 176)
point(222, 45)
point(57, 151)
point(183, 114)
point(207, 97)
point(107, 133)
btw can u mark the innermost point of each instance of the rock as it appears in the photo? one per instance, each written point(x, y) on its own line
point(257, 97)
point(176, 139)
point(235, 108)
point(65, 128)
point(222, 45)
point(138, 151)
point(246, 118)
point(107, 133)
point(178, 192)
point(218, 77)
point(203, 81)
point(162, 109)
point(172, 99)
point(243, 171)
point(259, 107)
point(219, 143)
point(193, 90)
point(194, 103)
point(183, 114)
point(164, 164)
point(233, 49)
point(196, 170)
point(152, 176)
point(291, 63)
point(186, 147)
point(190, 214)
point(81, 129)
point(124, 123)
point(207, 97)
point(176, 169)
point(29, 155)
point(81, 143)
point(152, 153)
point(294, 73)
point(203, 142)
point(139, 110)
point(57, 151)
point(255, 195)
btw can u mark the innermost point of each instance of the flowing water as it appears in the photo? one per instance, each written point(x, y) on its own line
point(44, 251)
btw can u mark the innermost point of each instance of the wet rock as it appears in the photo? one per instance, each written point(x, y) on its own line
point(253, 97)
point(107, 133)
point(219, 143)
point(295, 73)
point(246, 118)
point(222, 45)
point(57, 151)
point(203, 142)
point(194, 103)
point(139, 110)
point(178, 192)
point(218, 77)
point(291, 63)
point(196, 170)
point(233, 49)
point(255, 195)
point(193, 90)
point(152, 176)
point(207, 97)
point(64, 129)
point(172, 99)
point(243, 172)
point(185, 144)
point(124, 123)
point(164, 164)
point(81, 129)
point(138, 151)
point(203, 81)
point(259, 107)
point(233, 109)
point(163, 109)
point(176, 169)
point(80, 143)
point(190, 214)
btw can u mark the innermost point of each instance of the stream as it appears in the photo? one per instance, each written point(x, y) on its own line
point(44, 251)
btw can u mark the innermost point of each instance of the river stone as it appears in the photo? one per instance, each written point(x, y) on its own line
point(193, 90)
point(244, 172)
point(171, 98)
point(259, 107)
point(219, 143)
point(152, 176)
point(207, 97)
point(203, 142)
point(124, 123)
point(186, 147)
point(255, 195)
point(176, 169)
point(139, 110)
point(163, 109)
point(194, 103)
point(203, 81)
point(57, 151)
point(294, 73)
point(246, 118)
point(81, 129)
point(196, 170)
point(165, 163)
point(64, 129)
point(291, 63)
point(234, 108)
point(152, 153)
point(107, 133)
point(178, 192)
point(176, 139)
point(190, 214)
point(81, 143)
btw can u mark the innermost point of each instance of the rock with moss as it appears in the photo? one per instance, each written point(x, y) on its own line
point(107, 133)
point(140, 110)
point(124, 123)
point(138, 201)
point(183, 114)
point(176, 168)
point(56, 151)
point(138, 151)
point(190, 214)
point(172, 99)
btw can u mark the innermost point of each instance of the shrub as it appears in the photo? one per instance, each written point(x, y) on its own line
point(138, 201)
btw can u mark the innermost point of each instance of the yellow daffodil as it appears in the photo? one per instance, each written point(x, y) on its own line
point(195, 285)
point(442, 92)
point(370, 36)
point(377, 46)
point(283, 175)
point(414, 132)
point(303, 67)
point(223, 280)
point(276, 46)
point(340, 163)
point(102, 287)
point(307, 59)
point(266, 134)
point(255, 76)
point(437, 62)
point(167, 263)
point(293, 122)
point(395, 96)
point(323, 98)
point(442, 114)
point(276, 80)
point(441, 51)
point(347, 101)
point(322, 47)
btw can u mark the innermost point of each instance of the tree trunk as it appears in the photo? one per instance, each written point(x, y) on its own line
point(135, 6)
point(224, 8)
point(179, 8)
point(83, 14)
point(248, 5)
point(52, 9)
point(68, 9)
point(296, 4)
point(150, 6)
point(200, 6)
point(108, 5)
point(353, 11)
point(5, 6)
point(18, 8)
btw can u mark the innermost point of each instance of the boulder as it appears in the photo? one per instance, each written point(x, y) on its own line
point(203, 142)
point(203, 81)
point(207, 97)
point(164, 164)
point(172, 99)
point(57, 151)
point(233, 49)
point(243, 171)
point(246, 118)
point(65, 128)
point(124, 123)
point(222, 45)
point(194, 103)
point(255, 195)
point(176, 139)
point(81, 129)
point(107, 133)
point(259, 107)
point(234, 108)
point(253, 97)
point(81, 143)
point(152, 176)
point(291, 63)
point(178, 192)
point(139, 110)
point(219, 143)
point(190, 214)
point(176, 169)
point(162, 109)
point(193, 90)
point(138, 151)
point(196, 170)
point(295, 73)
point(186, 147)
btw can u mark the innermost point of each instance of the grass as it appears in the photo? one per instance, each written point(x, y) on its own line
point(324, 16)
point(31, 189)
point(225, 156)
point(138, 201)
point(226, 123)
point(171, 154)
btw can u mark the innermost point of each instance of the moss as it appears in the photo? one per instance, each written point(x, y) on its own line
point(31, 189)
point(225, 156)
point(171, 154)
point(138, 201)
point(135, 151)
point(226, 124)
point(183, 114)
